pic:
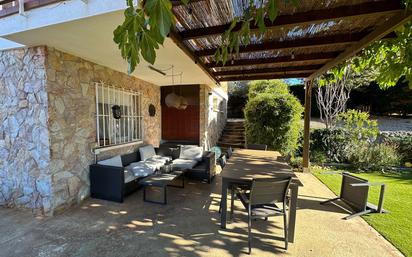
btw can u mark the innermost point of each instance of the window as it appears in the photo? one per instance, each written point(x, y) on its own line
point(126, 129)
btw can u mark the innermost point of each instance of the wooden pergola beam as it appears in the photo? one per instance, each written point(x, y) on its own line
point(178, 41)
point(293, 44)
point(305, 68)
point(381, 32)
point(281, 59)
point(265, 76)
point(306, 125)
point(314, 16)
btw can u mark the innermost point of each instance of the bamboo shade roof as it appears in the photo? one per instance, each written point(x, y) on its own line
point(302, 42)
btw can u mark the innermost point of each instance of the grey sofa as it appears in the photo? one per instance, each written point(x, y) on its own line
point(201, 167)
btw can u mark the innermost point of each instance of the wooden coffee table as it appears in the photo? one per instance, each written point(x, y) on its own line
point(155, 186)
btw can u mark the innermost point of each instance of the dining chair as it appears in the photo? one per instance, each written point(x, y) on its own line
point(257, 147)
point(262, 200)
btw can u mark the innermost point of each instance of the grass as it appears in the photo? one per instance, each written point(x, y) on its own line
point(395, 226)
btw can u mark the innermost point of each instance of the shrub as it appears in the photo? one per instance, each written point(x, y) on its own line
point(296, 162)
point(403, 143)
point(333, 143)
point(273, 118)
point(358, 126)
point(274, 86)
point(376, 156)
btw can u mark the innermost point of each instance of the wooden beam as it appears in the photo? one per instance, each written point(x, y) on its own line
point(178, 41)
point(306, 68)
point(265, 76)
point(306, 125)
point(313, 16)
point(381, 32)
point(281, 59)
point(293, 44)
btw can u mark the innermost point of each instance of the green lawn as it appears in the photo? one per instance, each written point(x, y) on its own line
point(395, 226)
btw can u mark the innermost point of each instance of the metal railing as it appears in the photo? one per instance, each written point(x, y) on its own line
point(10, 7)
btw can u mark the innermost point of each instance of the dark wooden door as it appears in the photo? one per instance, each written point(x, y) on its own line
point(182, 125)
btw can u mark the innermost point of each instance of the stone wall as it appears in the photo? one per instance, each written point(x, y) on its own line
point(25, 178)
point(71, 91)
point(47, 125)
point(212, 118)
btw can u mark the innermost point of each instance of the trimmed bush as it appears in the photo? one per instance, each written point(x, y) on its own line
point(272, 117)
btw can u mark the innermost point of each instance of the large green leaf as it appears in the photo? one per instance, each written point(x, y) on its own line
point(161, 15)
point(148, 47)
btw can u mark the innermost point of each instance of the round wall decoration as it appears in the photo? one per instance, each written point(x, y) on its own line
point(152, 110)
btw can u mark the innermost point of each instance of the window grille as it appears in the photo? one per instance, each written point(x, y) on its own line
point(127, 129)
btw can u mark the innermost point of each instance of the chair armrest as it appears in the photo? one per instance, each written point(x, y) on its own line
point(209, 158)
point(106, 182)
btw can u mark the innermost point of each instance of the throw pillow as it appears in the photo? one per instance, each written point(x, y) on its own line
point(146, 152)
point(114, 161)
point(191, 152)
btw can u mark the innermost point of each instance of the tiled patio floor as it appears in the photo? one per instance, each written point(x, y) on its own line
point(187, 226)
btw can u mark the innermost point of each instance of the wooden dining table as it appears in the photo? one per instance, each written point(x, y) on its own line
point(245, 165)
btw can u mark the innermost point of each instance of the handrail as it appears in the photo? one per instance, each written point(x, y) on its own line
point(10, 7)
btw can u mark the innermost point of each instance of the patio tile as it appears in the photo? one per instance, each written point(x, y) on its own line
point(187, 226)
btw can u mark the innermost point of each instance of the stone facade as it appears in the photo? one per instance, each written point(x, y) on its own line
point(25, 178)
point(48, 128)
point(213, 115)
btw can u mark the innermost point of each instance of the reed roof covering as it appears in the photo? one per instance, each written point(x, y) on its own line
point(302, 41)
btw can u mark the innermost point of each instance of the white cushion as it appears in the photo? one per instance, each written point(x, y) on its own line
point(191, 152)
point(184, 164)
point(140, 169)
point(128, 176)
point(114, 161)
point(146, 152)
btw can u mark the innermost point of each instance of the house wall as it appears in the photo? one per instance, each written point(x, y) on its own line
point(47, 129)
point(25, 178)
point(212, 120)
point(72, 122)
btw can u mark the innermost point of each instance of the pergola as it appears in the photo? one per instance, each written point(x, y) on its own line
point(304, 41)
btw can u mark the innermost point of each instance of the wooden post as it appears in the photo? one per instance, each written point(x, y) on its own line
point(306, 126)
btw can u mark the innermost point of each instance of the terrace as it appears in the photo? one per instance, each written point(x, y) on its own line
point(188, 226)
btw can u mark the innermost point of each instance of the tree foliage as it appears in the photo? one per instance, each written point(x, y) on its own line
point(273, 117)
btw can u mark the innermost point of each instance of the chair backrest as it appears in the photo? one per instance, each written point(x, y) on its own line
point(355, 196)
point(269, 190)
point(257, 147)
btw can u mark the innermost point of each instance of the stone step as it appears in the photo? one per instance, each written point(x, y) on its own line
point(226, 139)
point(233, 137)
point(233, 130)
point(235, 125)
point(239, 141)
point(231, 145)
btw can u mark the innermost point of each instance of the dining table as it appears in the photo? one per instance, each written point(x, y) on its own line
point(245, 165)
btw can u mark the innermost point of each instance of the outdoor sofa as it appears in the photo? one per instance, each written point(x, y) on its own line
point(115, 178)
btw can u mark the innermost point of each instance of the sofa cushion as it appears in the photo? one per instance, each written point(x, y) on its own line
point(115, 161)
point(140, 169)
point(128, 176)
point(146, 152)
point(184, 164)
point(191, 152)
